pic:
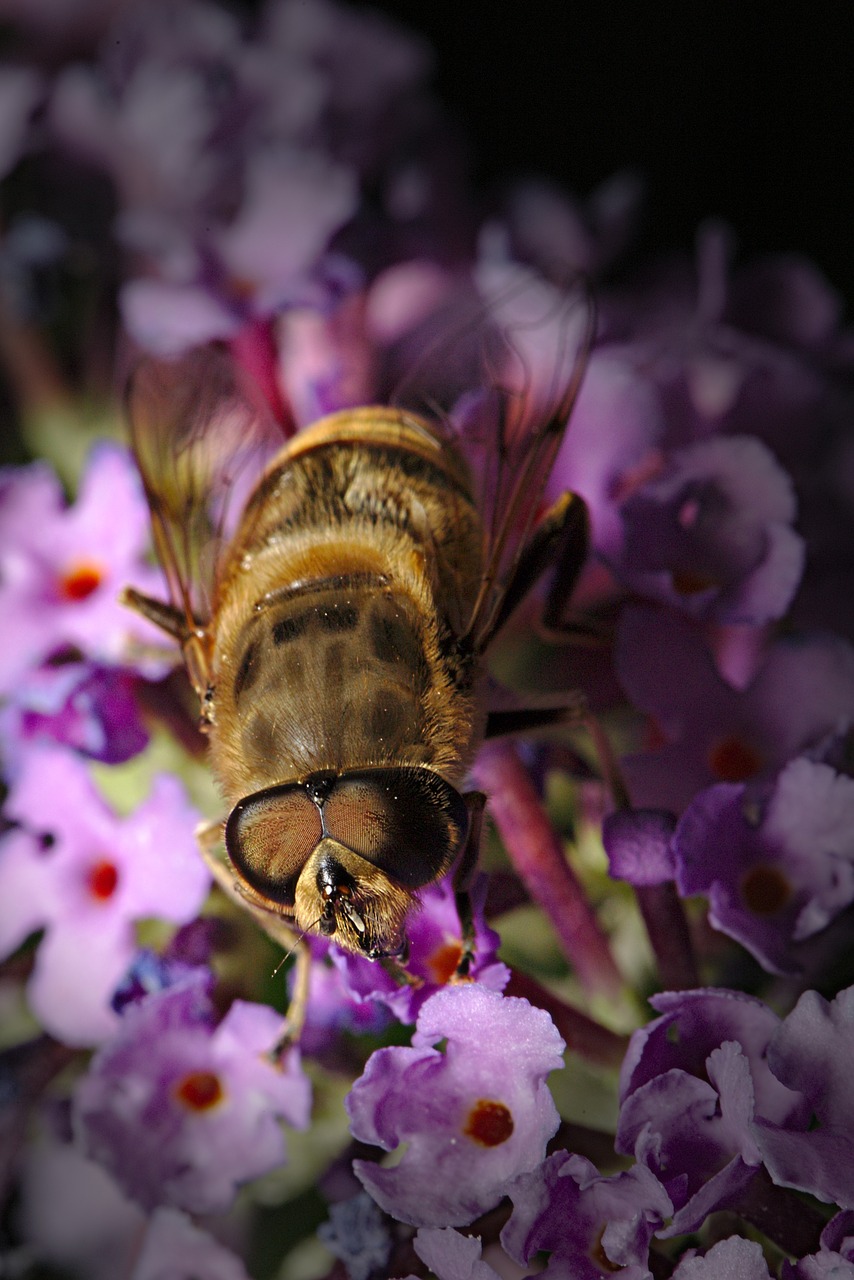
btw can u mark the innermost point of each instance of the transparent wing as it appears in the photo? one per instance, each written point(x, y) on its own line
point(545, 332)
point(201, 435)
point(509, 354)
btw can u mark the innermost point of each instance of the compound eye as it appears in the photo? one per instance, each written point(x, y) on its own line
point(408, 822)
point(270, 836)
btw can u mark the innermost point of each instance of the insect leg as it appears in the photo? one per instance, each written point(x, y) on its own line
point(475, 802)
point(561, 539)
point(505, 724)
point(208, 836)
point(165, 616)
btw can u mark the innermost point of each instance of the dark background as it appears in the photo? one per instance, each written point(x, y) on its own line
point(744, 111)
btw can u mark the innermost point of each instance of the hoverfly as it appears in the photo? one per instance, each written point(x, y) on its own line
point(336, 633)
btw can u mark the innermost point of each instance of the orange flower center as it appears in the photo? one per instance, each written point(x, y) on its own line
point(78, 582)
point(599, 1257)
point(489, 1123)
point(765, 890)
point(732, 760)
point(443, 962)
point(103, 879)
point(199, 1091)
point(690, 584)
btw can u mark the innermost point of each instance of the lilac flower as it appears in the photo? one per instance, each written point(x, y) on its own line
point(182, 1111)
point(61, 568)
point(471, 1117)
point(691, 1085)
point(251, 269)
point(357, 1234)
point(175, 1249)
point(84, 875)
point(30, 253)
point(612, 444)
point(711, 533)
point(75, 1216)
point(777, 864)
point(434, 935)
point(802, 690)
point(548, 228)
point(834, 1260)
point(451, 1255)
point(811, 1052)
point(157, 67)
point(72, 1214)
point(20, 90)
point(731, 1259)
point(237, 158)
point(88, 707)
point(333, 1006)
point(588, 1223)
point(638, 845)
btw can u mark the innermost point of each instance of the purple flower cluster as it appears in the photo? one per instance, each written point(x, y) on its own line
point(285, 186)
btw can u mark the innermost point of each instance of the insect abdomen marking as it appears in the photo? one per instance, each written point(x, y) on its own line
point(286, 629)
point(392, 637)
point(338, 617)
point(247, 672)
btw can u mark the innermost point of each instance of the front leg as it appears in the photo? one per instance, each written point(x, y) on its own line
point(192, 635)
point(475, 802)
point(209, 837)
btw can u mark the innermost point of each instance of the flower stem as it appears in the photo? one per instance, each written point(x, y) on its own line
point(537, 853)
point(667, 930)
point(254, 349)
point(583, 1035)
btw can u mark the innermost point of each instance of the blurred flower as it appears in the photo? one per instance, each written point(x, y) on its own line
point(74, 1215)
point(470, 1116)
point(254, 267)
point(802, 690)
point(85, 875)
point(175, 1249)
point(357, 1234)
point(21, 88)
point(62, 567)
point(182, 1111)
point(87, 707)
point(560, 235)
point(777, 862)
point(710, 533)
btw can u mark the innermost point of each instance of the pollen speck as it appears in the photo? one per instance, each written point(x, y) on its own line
point(489, 1123)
